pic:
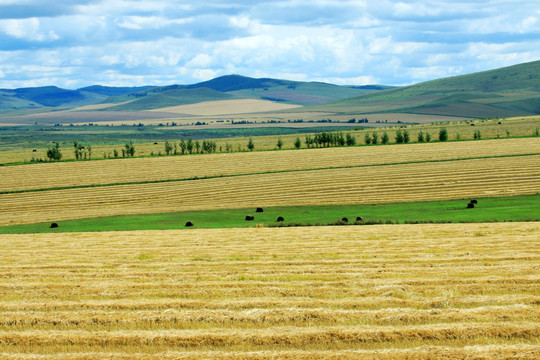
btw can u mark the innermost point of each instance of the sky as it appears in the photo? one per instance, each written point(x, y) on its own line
point(77, 43)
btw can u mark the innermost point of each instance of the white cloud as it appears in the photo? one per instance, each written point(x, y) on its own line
point(161, 41)
point(28, 29)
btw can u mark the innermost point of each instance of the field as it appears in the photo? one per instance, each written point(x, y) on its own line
point(378, 292)
point(422, 291)
point(338, 176)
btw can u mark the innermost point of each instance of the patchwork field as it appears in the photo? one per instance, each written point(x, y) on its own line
point(378, 292)
point(307, 177)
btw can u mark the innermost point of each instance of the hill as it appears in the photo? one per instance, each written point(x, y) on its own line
point(509, 91)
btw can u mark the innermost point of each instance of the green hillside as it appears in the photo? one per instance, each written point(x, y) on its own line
point(509, 91)
point(153, 99)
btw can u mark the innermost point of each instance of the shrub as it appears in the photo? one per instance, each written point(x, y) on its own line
point(54, 153)
point(420, 137)
point(351, 140)
point(297, 143)
point(250, 144)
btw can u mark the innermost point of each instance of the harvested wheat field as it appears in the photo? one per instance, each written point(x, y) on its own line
point(459, 179)
point(47, 175)
point(374, 292)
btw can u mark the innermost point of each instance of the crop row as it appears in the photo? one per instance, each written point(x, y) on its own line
point(391, 183)
point(396, 292)
point(51, 175)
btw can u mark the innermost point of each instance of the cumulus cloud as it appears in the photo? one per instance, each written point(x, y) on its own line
point(134, 42)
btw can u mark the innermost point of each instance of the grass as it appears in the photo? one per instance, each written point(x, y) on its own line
point(499, 209)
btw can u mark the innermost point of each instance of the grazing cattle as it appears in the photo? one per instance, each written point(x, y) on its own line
point(359, 218)
point(259, 210)
point(189, 224)
point(34, 150)
point(470, 205)
point(280, 219)
point(250, 217)
point(345, 220)
point(474, 201)
point(54, 225)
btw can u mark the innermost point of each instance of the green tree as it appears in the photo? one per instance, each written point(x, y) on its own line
point(250, 144)
point(297, 143)
point(428, 137)
point(406, 137)
point(385, 138)
point(129, 149)
point(279, 143)
point(54, 153)
point(351, 140)
point(399, 136)
point(443, 134)
point(420, 137)
point(374, 138)
point(367, 139)
point(168, 148)
point(183, 146)
point(189, 146)
point(197, 146)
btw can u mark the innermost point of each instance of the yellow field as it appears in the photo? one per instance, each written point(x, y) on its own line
point(377, 183)
point(228, 107)
point(371, 292)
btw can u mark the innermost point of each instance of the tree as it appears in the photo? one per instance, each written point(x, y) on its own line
point(351, 140)
point(399, 136)
point(385, 138)
point(189, 146)
point(443, 134)
point(477, 135)
point(168, 148)
point(297, 143)
point(406, 137)
point(183, 146)
point(54, 153)
point(375, 138)
point(279, 143)
point(428, 137)
point(250, 144)
point(367, 139)
point(309, 141)
point(420, 137)
point(197, 146)
point(129, 149)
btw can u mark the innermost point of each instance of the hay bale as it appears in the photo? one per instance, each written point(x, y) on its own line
point(250, 217)
point(470, 205)
point(359, 218)
point(280, 219)
point(189, 224)
point(259, 210)
point(54, 225)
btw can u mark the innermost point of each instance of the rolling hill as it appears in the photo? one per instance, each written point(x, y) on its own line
point(504, 92)
point(509, 91)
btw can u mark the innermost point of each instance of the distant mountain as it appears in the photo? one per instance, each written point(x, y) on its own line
point(155, 97)
point(113, 91)
point(54, 97)
point(504, 92)
point(509, 91)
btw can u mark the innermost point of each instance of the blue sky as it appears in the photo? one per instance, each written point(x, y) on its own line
point(76, 43)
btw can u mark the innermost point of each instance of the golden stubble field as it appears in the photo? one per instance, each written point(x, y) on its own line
point(456, 291)
point(356, 175)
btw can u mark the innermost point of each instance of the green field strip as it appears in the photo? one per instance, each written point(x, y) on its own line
point(522, 208)
point(195, 178)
